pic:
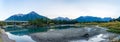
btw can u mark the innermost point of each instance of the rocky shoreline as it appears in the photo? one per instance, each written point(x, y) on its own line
point(5, 37)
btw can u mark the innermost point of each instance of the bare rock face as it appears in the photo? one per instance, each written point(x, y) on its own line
point(65, 35)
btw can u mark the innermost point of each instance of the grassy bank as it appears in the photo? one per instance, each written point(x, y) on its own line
point(112, 26)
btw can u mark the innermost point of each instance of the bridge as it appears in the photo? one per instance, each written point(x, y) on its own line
point(15, 23)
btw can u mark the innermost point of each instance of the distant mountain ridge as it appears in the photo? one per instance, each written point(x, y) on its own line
point(62, 18)
point(92, 19)
point(21, 17)
point(33, 15)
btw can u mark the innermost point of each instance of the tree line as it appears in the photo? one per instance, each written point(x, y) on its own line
point(46, 21)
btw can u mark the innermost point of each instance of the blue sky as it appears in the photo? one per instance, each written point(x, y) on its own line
point(64, 8)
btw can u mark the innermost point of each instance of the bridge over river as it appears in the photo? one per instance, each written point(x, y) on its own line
point(15, 23)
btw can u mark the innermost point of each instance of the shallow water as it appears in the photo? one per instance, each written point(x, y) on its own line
point(97, 38)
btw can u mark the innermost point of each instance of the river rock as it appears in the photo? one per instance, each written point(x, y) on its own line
point(116, 39)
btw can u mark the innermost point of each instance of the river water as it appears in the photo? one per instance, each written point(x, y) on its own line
point(23, 34)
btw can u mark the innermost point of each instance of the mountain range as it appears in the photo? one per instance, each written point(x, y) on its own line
point(21, 17)
point(33, 15)
point(92, 19)
point(62, 18)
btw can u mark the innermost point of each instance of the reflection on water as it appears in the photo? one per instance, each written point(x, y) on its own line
point(24, 38)
point(26, 31)
point(22, 34)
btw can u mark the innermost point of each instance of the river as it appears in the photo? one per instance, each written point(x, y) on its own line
point(24, 34)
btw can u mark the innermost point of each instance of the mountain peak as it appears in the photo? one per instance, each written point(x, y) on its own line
point(61, 18)
point(33, 12)
point(30, 16)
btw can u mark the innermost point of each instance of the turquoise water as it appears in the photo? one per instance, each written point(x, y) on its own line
point(18, 38)
point(22, 34)
point(27, 31)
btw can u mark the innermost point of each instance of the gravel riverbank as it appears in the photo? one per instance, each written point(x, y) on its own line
point(4, 36)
